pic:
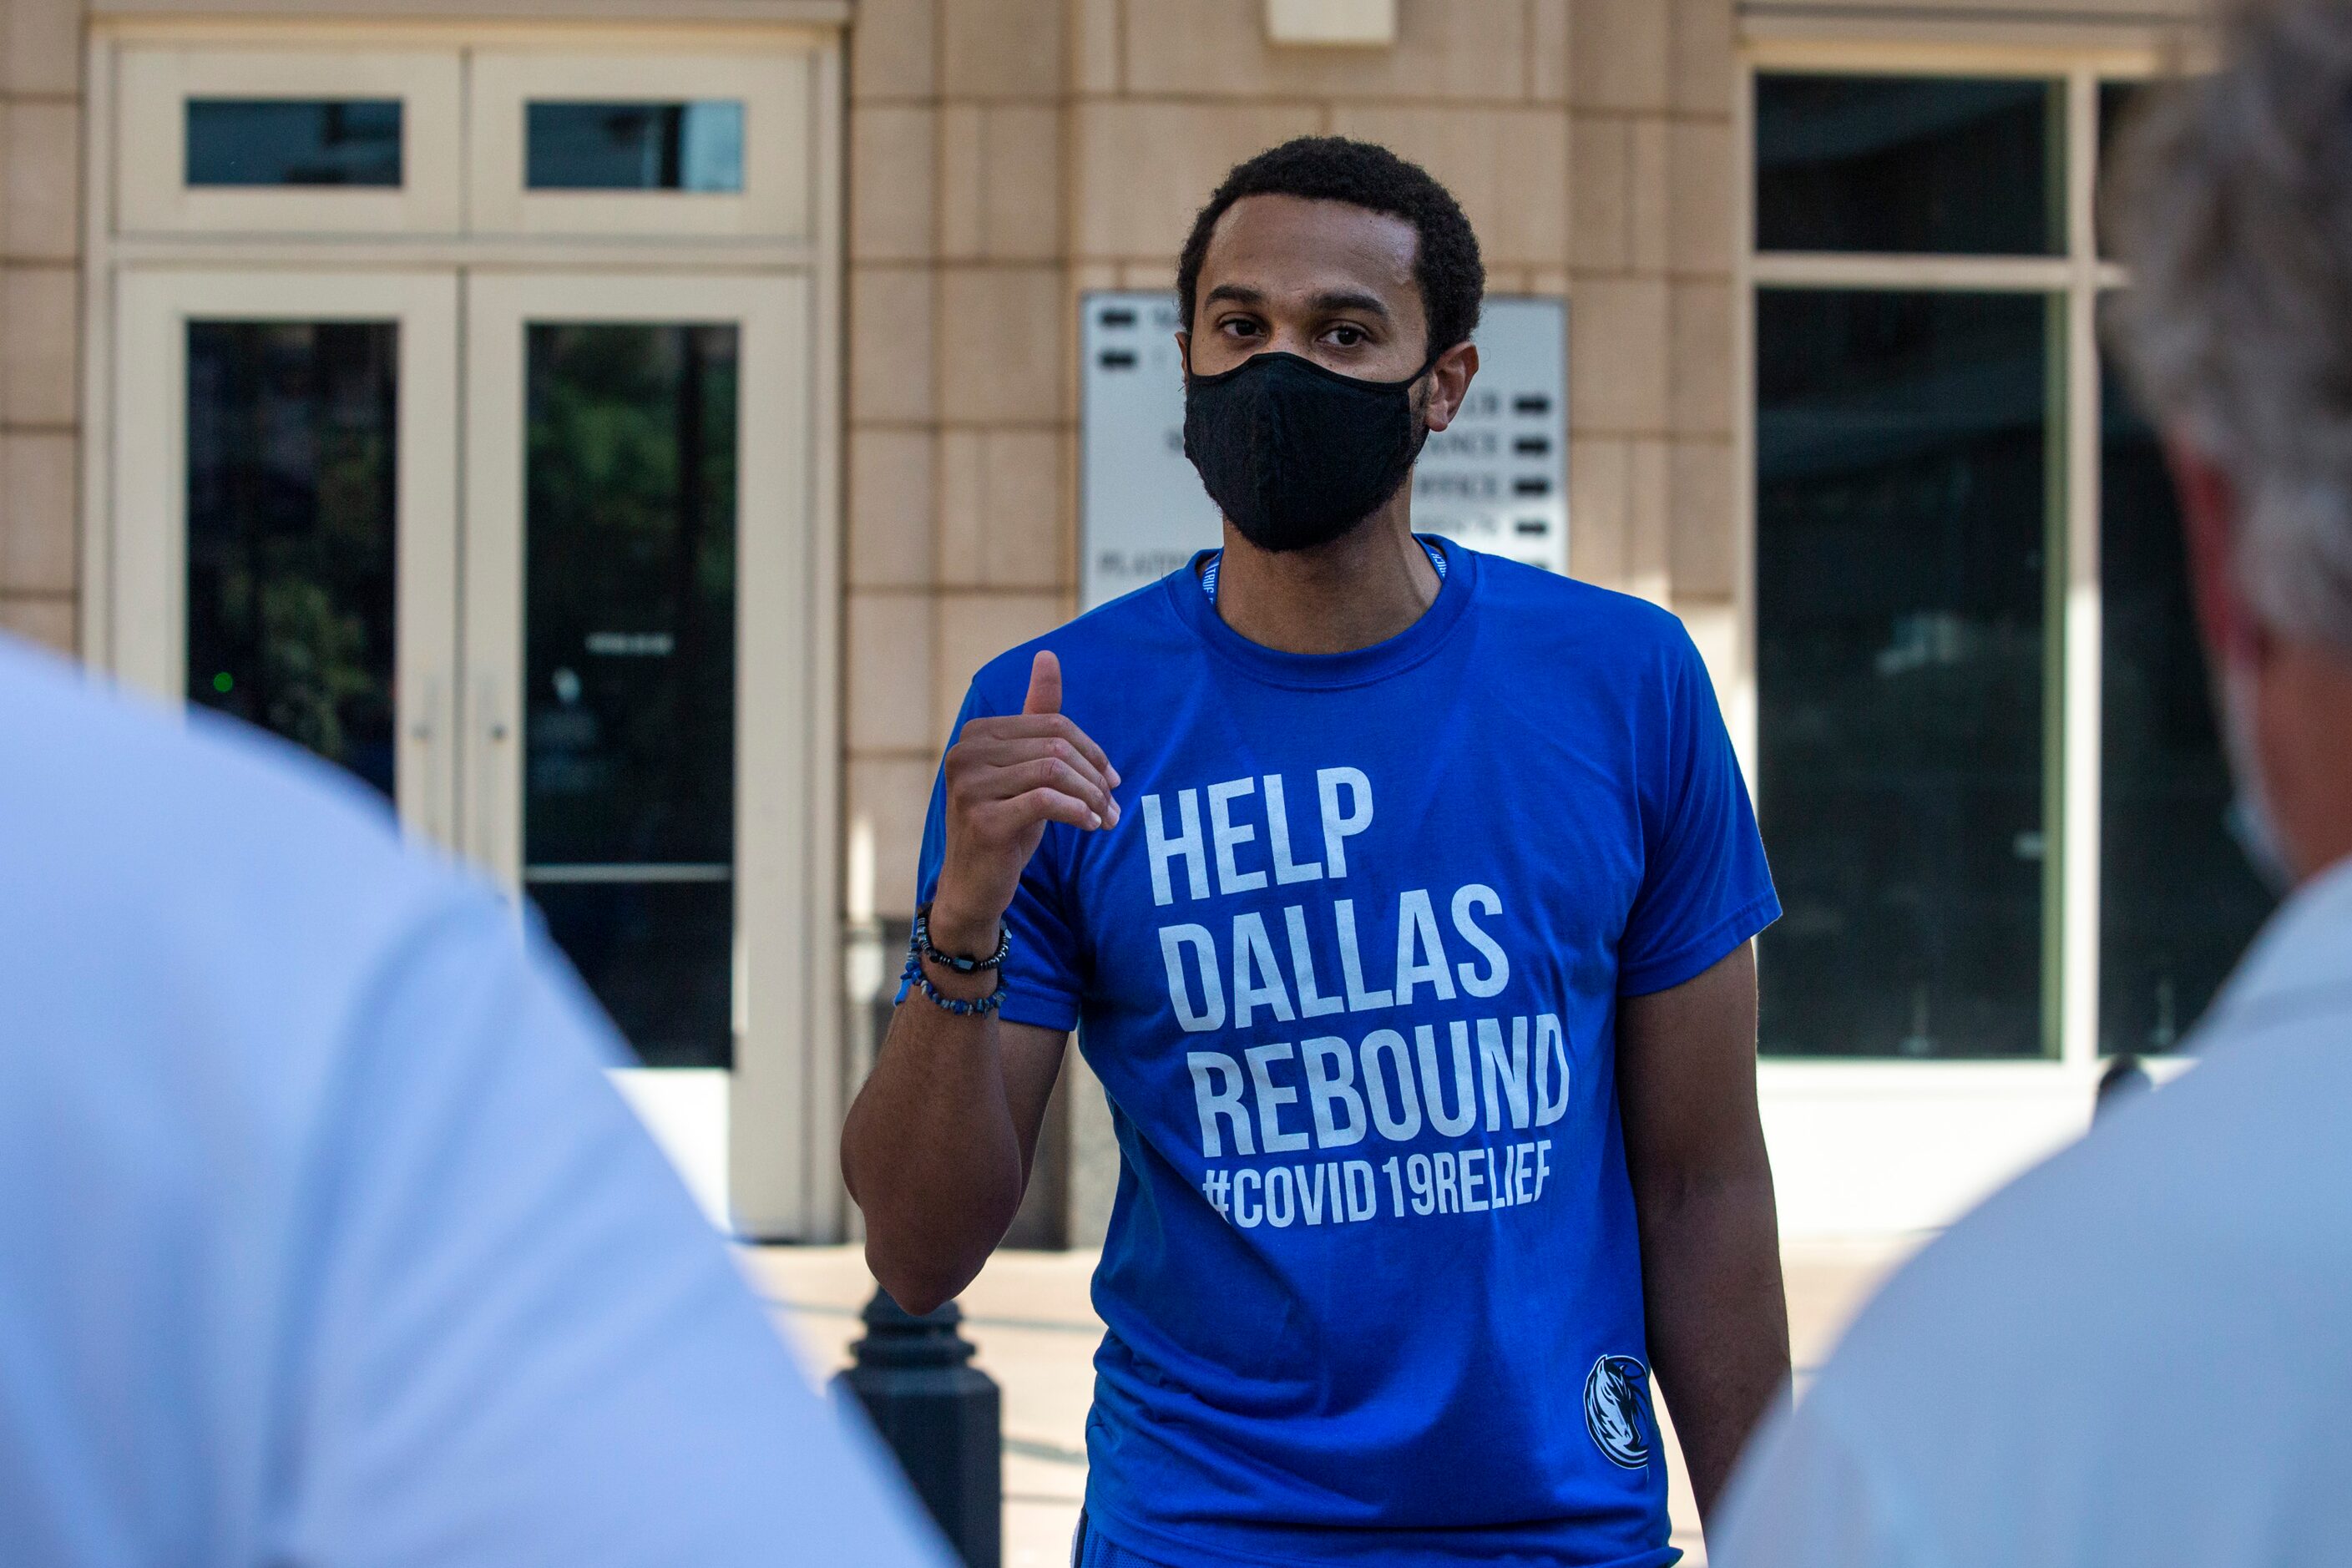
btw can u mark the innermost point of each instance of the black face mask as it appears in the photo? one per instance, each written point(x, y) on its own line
point(1297, 455)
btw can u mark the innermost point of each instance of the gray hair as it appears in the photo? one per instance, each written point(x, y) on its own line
point(2231, 198)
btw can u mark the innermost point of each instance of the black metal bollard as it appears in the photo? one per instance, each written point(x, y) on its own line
point(941, 1415)
point(2125, 1077)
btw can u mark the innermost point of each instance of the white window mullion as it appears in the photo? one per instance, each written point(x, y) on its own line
point(2079, 809)
point(1971, 274)
point(1740, 703)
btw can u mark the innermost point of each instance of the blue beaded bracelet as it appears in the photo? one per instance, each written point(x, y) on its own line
point(962, 965)
point(918, 982)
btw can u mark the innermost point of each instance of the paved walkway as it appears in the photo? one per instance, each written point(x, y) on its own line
point(1029, 1314)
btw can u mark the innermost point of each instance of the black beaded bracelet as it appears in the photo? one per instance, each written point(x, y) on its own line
point(962, 965)
point(921, 982)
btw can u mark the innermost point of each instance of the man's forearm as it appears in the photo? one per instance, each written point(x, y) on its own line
point(1718, 1320)
point(937, 1148)
point(932, 1154)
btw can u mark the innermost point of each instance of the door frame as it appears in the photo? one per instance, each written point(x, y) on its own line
point(790, 1086)
point(147, 589)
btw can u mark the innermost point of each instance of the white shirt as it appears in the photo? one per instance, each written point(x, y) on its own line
point(2138, 1354)
point(323, 1238)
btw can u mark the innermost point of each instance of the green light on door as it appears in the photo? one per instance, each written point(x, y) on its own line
point(222, 681)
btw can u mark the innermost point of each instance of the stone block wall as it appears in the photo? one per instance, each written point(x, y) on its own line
point(1650, 350)
point(40, 287)
point(960, 413)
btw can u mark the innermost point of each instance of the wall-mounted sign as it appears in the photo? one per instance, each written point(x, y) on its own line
point(1497, 480)
point(1141, 510)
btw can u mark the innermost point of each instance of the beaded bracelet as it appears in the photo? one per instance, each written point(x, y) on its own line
point(920, 982)
point(962, 965)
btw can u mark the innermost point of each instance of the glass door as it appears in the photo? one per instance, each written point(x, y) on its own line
point(637, 574)
point(284, 476)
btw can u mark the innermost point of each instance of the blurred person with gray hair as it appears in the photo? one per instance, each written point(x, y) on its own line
point(325, 1239)
point(2141, 1353)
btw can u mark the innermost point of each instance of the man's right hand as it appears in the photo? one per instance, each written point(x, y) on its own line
point(1007, 778)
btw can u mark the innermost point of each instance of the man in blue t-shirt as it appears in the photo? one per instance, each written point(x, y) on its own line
point(1401, 897)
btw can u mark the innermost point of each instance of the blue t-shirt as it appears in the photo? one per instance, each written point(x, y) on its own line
point(1347, 969)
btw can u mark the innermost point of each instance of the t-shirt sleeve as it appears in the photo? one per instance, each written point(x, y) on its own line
point(519, 1340)
point(1704, 886)
point(1042, 973)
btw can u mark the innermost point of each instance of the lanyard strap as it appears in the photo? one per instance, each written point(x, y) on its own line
point(1209, 572)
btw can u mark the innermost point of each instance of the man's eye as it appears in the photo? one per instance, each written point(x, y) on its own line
point(1347, 337)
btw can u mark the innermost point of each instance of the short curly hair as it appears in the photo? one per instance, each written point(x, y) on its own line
point(1446, 263)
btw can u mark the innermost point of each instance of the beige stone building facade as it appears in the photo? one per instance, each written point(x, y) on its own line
point(921, 193)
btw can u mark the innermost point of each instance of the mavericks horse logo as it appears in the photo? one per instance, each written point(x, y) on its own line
point(1617, 1410)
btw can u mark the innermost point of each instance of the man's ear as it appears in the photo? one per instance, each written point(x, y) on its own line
point(1184, 354)
point(1449, 384)
point(2210, 518)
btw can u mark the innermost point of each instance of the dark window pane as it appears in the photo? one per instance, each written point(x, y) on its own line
point(629, 724)
point(2178, 902)
point(1944, 165)
point(695, 146)
point(2116, 101)
point(291, 458)
point(1902, 508)
point(293, 141)
point(658, 955)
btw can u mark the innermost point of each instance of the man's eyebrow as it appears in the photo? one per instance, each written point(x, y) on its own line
point(1325, 303)
point(1345, 300)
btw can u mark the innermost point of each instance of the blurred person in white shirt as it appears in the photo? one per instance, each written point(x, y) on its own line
point(2141, 1352)
point(323, 1238)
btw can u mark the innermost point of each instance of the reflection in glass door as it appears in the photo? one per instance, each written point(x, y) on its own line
point(292, 436)
point(629, 700)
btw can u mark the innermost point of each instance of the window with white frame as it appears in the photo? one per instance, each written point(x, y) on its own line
point(308, 137)
point(1986, 770)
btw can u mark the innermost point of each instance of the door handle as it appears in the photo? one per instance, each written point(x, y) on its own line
point(489, 782)
point(426, 732)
